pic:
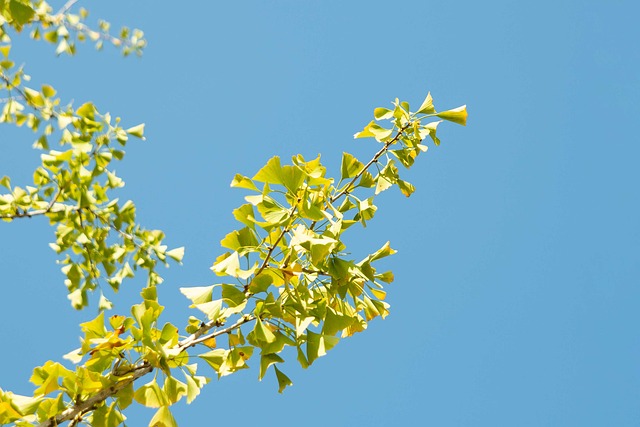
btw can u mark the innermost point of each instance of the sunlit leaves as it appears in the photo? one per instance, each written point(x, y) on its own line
point(350, 166)
point(199, 294)
point(427, 106)
point(291, 284)
point(457, 115)
point(283, 380)
point(21, 11)
point(163, 418)
point(376, 131)
point(273, 173)
point(137, 131)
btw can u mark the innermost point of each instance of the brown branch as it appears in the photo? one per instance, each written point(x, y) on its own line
point(29, 214)
point(79, 409)
point(274, 245)
point(89, 404)
point(198, 336)
point(140, 370)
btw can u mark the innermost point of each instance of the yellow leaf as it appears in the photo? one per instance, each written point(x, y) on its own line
point(457, 115)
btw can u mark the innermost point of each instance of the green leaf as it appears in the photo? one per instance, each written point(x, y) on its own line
point(318, 345)
point(34, 97)
point(406, 187)
point(211, 309)
point(283, 380)
point(350, 166)
point(263, 334)
point(386, 277)
point(228, 265)
point(382, 113)
point(378, 293)
point(163, 418)
point(48, 91)
point(94, 328)
point(87, 110)
point(194, 384)
point(334, 322)
point(457, 115)
point(21, 11)
point(267, 360)
point(137, 131)
point(238, 239)
point(150, 395)
point(216, 359)
point(125, 396)
point(245, 215)
point(232, 296)
point(432, 127)
point(427, 106)
point(241, 181)
point(174, 389)
point(376, 131)
point(383, 252)
point(104, 303)
point(291, 177)
point(176, 254)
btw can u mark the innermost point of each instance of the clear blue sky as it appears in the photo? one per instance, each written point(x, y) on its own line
point(517, 292)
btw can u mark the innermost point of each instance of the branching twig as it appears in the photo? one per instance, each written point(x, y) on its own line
point(138, 371)
point(89, 404)
point(371, 162)
point(198, 336)
point(29, 214)
point(274, 245)
point(201, 335)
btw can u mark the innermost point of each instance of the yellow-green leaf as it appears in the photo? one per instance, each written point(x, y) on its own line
point(137, 131)
point(283, 380)
point(198, 294)
point(427, 106)
point(163, 418)
point(457, 115)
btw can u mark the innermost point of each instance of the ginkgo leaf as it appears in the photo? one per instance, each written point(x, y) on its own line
point(457, 115)
point(198, 294)
point(427, 106)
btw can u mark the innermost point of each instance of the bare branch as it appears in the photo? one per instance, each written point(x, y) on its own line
point(64, 9)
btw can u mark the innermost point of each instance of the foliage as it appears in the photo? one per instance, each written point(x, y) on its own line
point(285, 278)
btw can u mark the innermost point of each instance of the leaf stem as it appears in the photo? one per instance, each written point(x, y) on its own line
point(371, 162)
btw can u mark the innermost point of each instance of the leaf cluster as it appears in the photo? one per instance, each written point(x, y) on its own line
point(287, 285)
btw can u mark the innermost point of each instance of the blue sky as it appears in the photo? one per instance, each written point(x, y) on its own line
point(517, 277)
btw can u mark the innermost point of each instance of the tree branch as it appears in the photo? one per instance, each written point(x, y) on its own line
point(89, 404)
point(29, 214)
point(274, 245)
point(139, 371)
point(198, 337)
point(64, 9)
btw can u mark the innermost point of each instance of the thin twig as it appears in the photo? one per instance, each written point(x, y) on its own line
point(198, 337)
point(64, 9)
point(138, 371)
point(87, 405)
point(371, 162)
point(29, 214)
point(274, 245)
